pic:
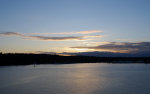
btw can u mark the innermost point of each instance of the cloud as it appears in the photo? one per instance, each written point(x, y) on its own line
point(55, 38)
point(47, 38)
point(120, 47)
point(63, 38)
point(67, 33)
point(88, 32)
point(95, 36)
point(11, 34)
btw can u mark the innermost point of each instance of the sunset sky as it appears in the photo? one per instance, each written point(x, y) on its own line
point(34, 26)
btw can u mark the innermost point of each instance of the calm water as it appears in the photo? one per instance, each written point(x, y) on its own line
point(76, 79)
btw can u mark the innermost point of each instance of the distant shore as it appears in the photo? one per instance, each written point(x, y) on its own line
point(27, 59)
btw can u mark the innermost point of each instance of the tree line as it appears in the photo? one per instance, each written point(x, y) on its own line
point(26, 59)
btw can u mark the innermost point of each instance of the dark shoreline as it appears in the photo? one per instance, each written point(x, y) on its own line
point(28, 59)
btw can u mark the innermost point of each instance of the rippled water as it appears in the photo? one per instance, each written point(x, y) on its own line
point(85, 78)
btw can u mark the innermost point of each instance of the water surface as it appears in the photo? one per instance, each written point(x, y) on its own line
point(88, 78)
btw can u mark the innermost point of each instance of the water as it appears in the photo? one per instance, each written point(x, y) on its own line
point(85, 78)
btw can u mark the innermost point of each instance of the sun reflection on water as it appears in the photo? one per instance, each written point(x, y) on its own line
point(85, 80)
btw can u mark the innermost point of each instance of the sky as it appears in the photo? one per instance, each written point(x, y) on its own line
point(35, 26)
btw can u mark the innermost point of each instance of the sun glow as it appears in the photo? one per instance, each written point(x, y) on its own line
point(83, 50)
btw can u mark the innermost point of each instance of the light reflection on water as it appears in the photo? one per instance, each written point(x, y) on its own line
point(85, 78)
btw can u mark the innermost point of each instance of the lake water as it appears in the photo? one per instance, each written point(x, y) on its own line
point(88, 78)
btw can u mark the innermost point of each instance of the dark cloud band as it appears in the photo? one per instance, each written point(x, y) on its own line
point(119, 46)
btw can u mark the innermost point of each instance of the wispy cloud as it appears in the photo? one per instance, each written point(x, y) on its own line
point(94, 36)
point(87, 32)
point(55, 38)
point(69, 33)
point(120, 47)
point(11, 34)
point(47, 38)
